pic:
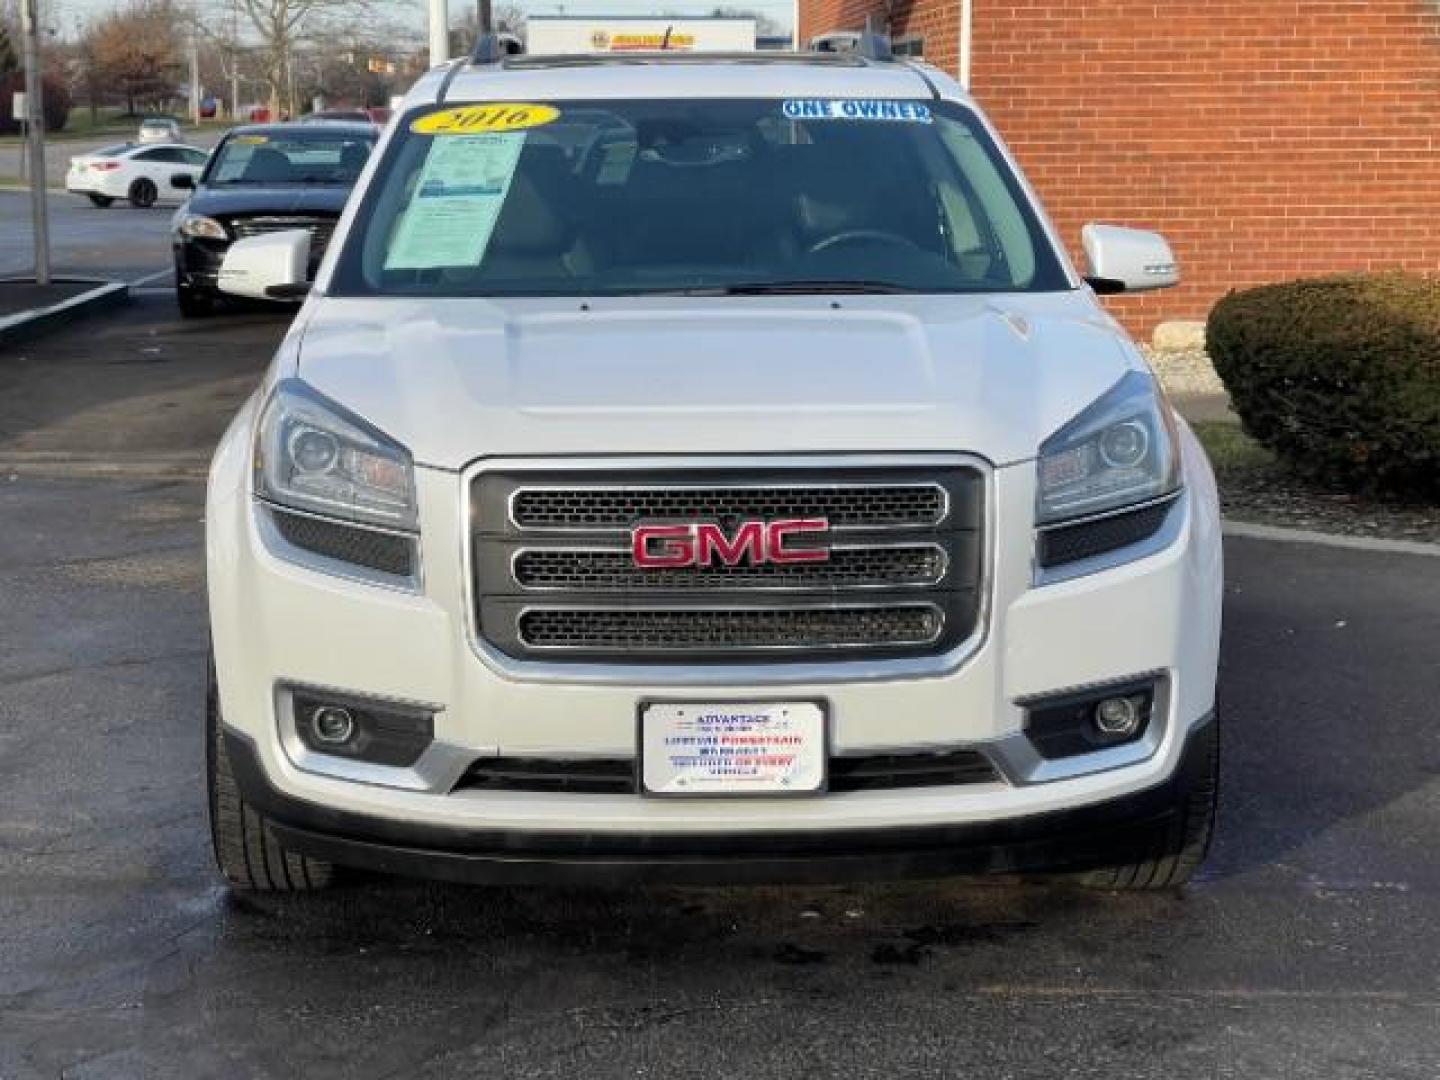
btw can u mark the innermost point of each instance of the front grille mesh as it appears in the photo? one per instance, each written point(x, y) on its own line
point(559, 568)
point(319, 229)
point(1071, 543)
point(385, 552)
point(622, 508)
point(649, 629)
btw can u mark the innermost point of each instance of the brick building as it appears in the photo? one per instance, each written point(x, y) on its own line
point(1268, 139)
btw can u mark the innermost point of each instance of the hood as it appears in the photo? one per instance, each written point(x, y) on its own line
point(283, 199)
point(459, 379)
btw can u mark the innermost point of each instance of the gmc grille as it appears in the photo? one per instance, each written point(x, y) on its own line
point(554, 578)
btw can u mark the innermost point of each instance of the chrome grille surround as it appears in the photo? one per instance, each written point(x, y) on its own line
point(520, 573)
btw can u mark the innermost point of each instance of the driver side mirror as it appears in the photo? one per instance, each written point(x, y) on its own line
point(183, 180)
point(1127, 260)
point(269, 267)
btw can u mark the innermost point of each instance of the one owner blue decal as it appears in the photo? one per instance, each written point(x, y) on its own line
point(911, 112)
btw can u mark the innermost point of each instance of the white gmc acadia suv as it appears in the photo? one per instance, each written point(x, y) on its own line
point(707, 468)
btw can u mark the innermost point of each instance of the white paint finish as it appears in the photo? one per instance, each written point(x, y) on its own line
point(469, 380)
point(82, 179)
point(459, 379)
point(732, 79)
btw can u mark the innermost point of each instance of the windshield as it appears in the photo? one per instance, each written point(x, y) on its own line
point(313, 157)
point(663, 196)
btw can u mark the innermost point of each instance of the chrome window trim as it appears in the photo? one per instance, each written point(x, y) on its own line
point(798, 673)
point(822, 606)
point(596, 549)
point(622, 530)
point(281, 548)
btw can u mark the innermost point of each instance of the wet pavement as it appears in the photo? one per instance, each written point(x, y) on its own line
point(1306, 949)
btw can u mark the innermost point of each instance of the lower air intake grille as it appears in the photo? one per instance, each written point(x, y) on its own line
point(669, 630)
point(616, 776)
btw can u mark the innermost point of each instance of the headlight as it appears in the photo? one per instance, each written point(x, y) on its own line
point(1118, 452)
point(313, 455)
point(199, 225)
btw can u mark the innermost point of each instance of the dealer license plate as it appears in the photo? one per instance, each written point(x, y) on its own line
point(732, 748)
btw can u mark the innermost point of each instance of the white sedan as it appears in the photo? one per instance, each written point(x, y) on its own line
point(141, 174)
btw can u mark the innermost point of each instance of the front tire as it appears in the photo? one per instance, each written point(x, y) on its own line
point(101, 201)
point(247, 852)
point(143, 193)
point(194, 304)
point(1177, 852)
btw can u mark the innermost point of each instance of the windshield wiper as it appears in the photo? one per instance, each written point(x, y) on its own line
point(791, 288)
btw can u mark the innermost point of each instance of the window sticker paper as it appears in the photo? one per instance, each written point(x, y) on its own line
point(911, 112)
point(456, 202)
point(493, 116)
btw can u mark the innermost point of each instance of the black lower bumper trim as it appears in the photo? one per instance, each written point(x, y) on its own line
point(1067, 840)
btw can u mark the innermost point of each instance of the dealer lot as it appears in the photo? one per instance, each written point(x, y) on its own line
point(1306, 949)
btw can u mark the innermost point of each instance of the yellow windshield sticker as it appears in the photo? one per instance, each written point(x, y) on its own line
point(481, 119)
point(251, 140)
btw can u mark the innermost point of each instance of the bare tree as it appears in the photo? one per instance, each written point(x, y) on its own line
point(278, 24)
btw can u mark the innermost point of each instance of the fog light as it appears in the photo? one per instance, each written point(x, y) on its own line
point(1083, 721)
point(1118, 717)
point(381, 732)
point(333, 725)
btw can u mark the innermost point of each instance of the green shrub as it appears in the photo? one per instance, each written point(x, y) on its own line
point(1339, 376)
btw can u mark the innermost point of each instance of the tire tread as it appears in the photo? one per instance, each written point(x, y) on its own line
point(246, 850)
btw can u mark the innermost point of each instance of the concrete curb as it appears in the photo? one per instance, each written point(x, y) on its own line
point(59, 465)
point(37, 321)
point(1252, 531)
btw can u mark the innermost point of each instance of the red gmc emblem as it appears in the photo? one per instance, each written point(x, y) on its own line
point(705, 543)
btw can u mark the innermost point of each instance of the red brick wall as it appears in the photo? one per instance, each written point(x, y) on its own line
point(1267, 139)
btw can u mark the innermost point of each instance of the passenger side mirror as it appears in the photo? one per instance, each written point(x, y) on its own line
point(182, 180)
point(269, 267)
point(1127, 260)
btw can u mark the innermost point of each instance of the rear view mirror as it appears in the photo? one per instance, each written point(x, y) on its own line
point(183, 180)
point(1127, 260)
point(269, 267)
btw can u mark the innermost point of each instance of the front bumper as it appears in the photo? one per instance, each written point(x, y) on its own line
point(1119, 831)
point(197, 262)
point(276, 623)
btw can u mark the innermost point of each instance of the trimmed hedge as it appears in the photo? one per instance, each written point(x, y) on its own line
point(1339, 376)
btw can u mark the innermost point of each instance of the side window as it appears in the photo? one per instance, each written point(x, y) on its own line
point(195, 157)
point(997, 212)
point(149, 157)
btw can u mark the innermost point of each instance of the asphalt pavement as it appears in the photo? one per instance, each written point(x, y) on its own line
point(119, 243)
point(1307, 948)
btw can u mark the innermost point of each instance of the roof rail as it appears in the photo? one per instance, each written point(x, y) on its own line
point(868, 44)
point(492, 48)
